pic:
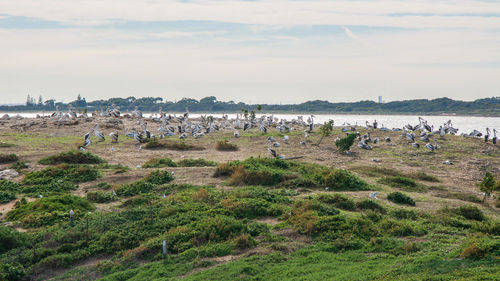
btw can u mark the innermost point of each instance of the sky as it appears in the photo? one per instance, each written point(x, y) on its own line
point(273, 51)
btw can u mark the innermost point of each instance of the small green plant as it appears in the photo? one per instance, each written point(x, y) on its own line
point(225, 145)
point(400, 198)
point(100, 197)
point(189, 162)
point(325, 130)
point(19, 165)
point(404, 183)
point(344, 144)
point(470, 212)
point(8, 158)
point(159, 163)
point(367, 204)
point(72, 157)
point(487, 186)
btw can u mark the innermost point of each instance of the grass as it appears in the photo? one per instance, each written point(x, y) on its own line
point(269, 172)
point(376, 171)
point(8, 158)
point(4, 144)
point(461, 196)
point(155, 143)
point(189, 162)
point(403, 183)
point(72, 157)
point(225, 145)
point(400, 198)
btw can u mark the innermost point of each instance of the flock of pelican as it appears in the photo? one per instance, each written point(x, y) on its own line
point(421, 134)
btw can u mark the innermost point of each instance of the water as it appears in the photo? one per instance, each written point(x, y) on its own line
point(463, 123)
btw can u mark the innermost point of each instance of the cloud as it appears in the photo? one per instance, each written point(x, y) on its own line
point(413, 14)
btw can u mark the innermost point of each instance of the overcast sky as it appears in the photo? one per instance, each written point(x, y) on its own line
point(272, 51)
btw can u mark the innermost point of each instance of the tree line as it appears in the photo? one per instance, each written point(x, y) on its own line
point(485, 106)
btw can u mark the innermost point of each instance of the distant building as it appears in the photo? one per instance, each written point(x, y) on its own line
point(380, 99)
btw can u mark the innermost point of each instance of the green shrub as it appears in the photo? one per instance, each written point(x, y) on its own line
point(345, 143)
point(244, 241)
point(425, 177)
point(10, 272)
point(72, 157)
point(8, 158)
point(6, 196)
point(159, 163)
point(404, 214)
point(404, 183)
point(368, 204)
point(154, 143)
point(225, 145)
point(196, 163)
point(100, 197)
point(48, 210)
point(10, 238)
point(19, 165)
point(159, 177)
point(338, 200)
point(473, 252)
point(470, 212)
point(400, 198)
point(344, 180)
point(134, 188)
point(63, 172)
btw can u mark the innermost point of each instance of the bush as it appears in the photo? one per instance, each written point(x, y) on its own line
point(72, 157)
point(470, 212)
point(425, 177)
point(344, 180)
point(404, 214)
point(159, 163)
point(400, 198)
point(154, 143)
point(159, 177)
point(225, 145)
point(338, 200)
point(344, 144)
point(224, 170)
point(244, 241)
point(196, 163)
point(19, 165)
point(10, 272)
point(473, 252)
point(403, 183)
point(6, 196)
point(100, 197)
point(63, 172)
point(368, 204)
point(134, 188)
point(48, 210)
point(10, 238)
point(8, 158)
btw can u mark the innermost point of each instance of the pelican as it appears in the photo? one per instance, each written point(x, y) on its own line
point(374, 195)
point(388, 139)
point(487, 135)
point(376, 140)
point(276, 144)
point(415, 145)
point(87, 139)
point(98, 134)
point(236, 134)
point(183, 136)
point(494, 139)
point(432, 147)
point(272, 152)
point(286, 139)
point(303, 143)
point(363, 145)
point(114, 136)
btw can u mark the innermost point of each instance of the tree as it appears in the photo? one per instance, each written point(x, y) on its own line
point(259, 107)
point(40, 100)
point(345, 144)
point(325, 130)
point(487, 185)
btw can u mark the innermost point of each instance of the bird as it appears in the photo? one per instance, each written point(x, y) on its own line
point(373, 195)
point(303, 143)
point(112, 148)
point(276, 144)
point(375, 140)
point(87, 139)
point(415, 145)
point(140, 147)
point(432, 147)
point(286, 139)
point(236, 134)
point(272, 152)
point(388, 139)
point(487, 135)
point(494, 139)
point(98, 134)
point(114, 136)
point(447, 162)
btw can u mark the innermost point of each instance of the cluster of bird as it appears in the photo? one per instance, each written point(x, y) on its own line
point(185, 127)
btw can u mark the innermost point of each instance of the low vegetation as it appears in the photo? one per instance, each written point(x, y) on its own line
point(225, 145)
point(400, 198)
point(403, 183)
point(72, 157)
point(167, 162)
point(155, 143)
point(274, 171)
point(8, 158)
